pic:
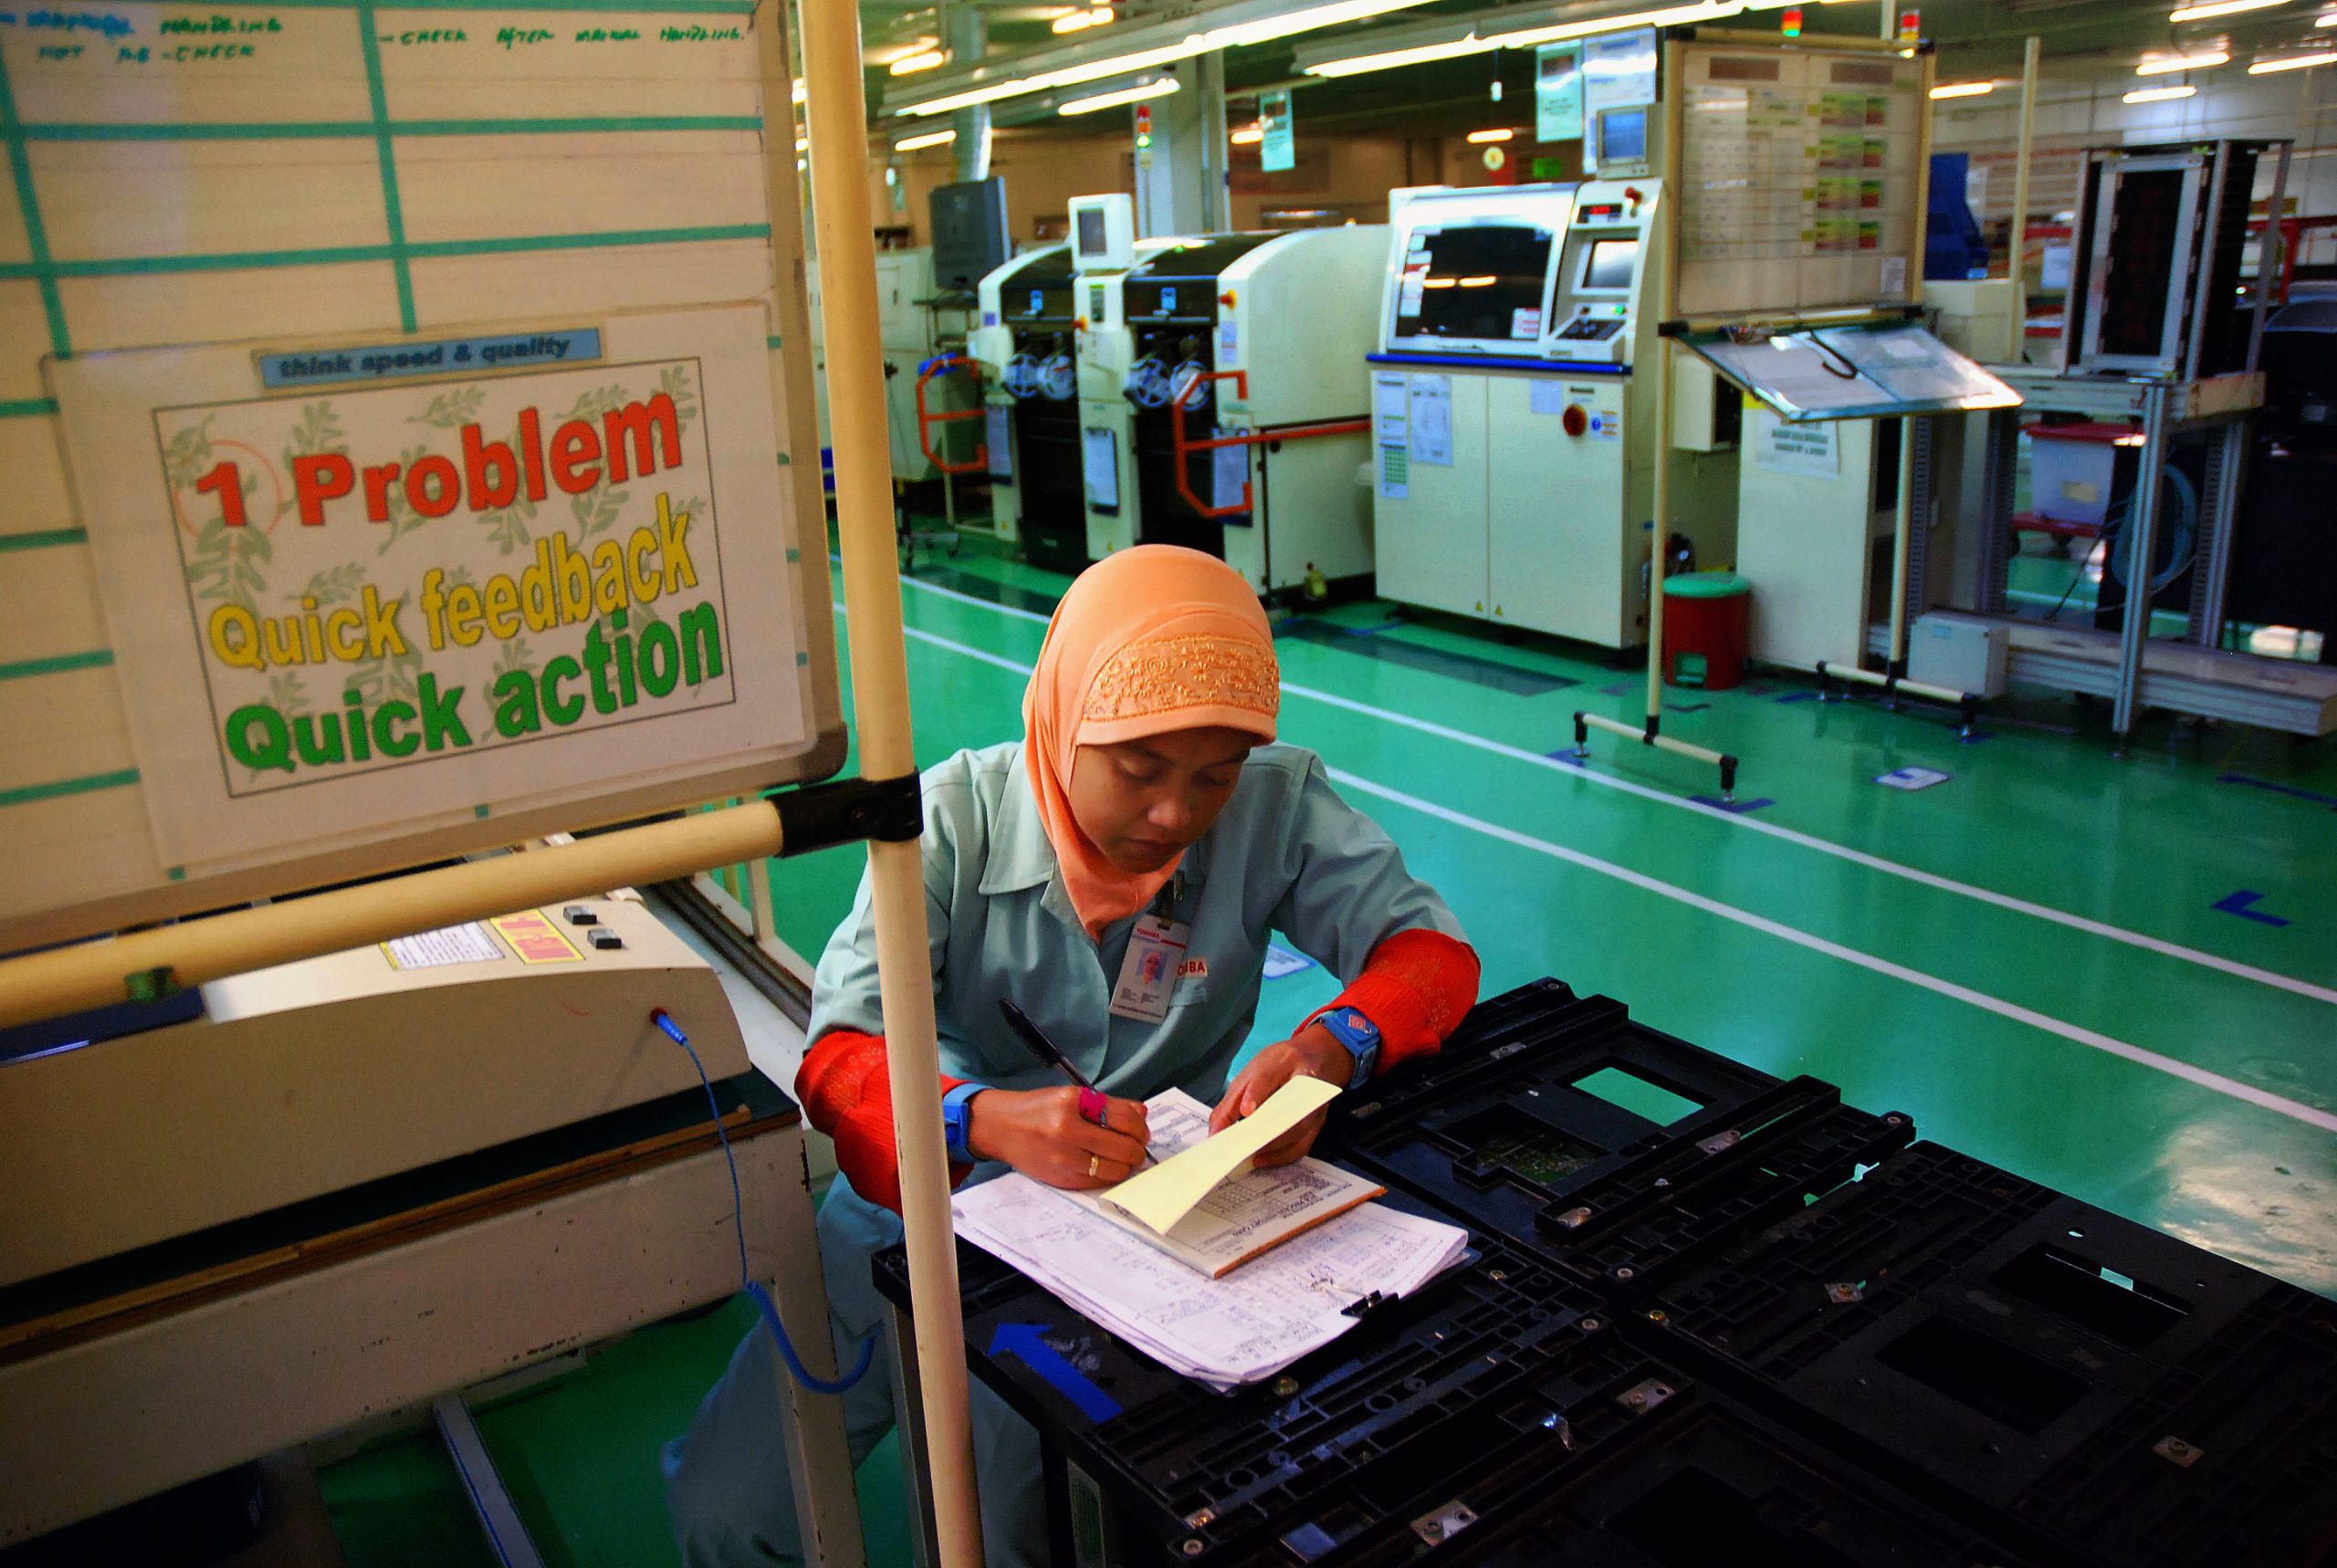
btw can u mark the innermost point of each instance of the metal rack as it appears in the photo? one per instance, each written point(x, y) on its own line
point(2188, 674)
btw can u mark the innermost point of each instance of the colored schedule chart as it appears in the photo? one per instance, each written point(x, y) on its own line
point(1799, 179)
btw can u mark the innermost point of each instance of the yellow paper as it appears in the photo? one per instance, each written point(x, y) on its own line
point(1164, 1194)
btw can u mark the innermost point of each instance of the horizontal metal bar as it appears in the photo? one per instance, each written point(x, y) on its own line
point(1284, 432)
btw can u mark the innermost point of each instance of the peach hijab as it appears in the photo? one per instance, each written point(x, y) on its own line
point(1148, 640)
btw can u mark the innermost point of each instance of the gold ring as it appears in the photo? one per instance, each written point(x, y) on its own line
point(1094, 1167)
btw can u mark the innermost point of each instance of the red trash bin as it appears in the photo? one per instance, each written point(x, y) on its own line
point(1707, 619)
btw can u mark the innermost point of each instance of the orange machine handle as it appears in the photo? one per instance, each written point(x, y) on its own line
point(926, 419)
point(1241, 380)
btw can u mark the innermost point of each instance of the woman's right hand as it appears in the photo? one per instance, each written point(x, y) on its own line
point(1041, 1133)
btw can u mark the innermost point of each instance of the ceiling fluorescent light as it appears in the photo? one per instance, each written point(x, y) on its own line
point(1388, 59)
point(2326, 19)
point(1270, 24)
point(2160, 65)
point(1124, 95)
point(2220, 8)
point(1305, 20)
point(2293, 63)
point(1962, 88)
point(924, 60)
point(929, 139)
point(1667, 17)
point(1248, 136)
point(2158, 94)
point(1502, 133)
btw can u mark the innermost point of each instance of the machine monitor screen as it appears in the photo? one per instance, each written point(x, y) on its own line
point(1609, 266)
point(968, 231)
point(1090, 240)
point(1484, 281)
point(1622, 136)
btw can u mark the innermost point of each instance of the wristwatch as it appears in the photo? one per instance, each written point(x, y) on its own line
point(1359, 1034)
point(956, 1122)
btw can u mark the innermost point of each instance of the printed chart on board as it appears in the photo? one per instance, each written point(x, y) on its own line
point(1800, 179)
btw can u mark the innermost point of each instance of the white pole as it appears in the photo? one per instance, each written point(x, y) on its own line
point(837, 110)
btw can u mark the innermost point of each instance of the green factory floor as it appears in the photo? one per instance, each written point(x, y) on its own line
point(2116, 978)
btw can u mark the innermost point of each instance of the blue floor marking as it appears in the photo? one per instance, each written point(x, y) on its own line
point(1799, 697)
point(2240, 903)
point(1737, 808)
point(2255, 783)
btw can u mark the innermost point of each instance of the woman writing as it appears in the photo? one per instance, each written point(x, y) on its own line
point(1118, 874)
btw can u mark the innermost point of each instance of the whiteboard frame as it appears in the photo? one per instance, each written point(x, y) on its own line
point(157, 896)
point(1678, 42)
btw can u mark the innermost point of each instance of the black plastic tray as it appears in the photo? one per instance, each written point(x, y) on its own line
point(2115, 1393)
point(1710, 1483)
point(1382, 1423)
point(1501, 1129)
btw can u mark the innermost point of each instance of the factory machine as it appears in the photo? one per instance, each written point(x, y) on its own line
point(255, 1212)
point(1513, 407)
point(1249, 401)
point(1030, 395)
point(1104, 250)
point(1055, 429)
point(925, 300)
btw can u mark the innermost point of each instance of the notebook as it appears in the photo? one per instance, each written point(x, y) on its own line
point(1204, 1204)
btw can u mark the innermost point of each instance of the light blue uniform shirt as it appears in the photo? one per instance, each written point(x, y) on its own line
point(1286, 855)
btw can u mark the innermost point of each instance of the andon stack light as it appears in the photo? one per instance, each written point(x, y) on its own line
point(1789, 22)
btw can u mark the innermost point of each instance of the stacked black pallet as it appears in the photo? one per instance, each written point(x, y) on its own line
point(1508, 1129)
point(2113, 1395)
point(1712, 1316)
point(1390, 1423)
point(2087, 1389)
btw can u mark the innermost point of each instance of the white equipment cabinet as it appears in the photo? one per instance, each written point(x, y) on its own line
point(1818, 507)
point(1515, 445)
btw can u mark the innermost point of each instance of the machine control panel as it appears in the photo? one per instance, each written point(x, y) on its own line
point(1598, 275)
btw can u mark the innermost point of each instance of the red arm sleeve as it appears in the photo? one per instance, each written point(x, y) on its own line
point(845, 1087)
point(1416, 986)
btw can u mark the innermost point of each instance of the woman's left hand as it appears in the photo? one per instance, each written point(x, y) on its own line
point(1312, 1053)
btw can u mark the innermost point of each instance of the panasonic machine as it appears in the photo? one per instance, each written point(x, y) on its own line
point(1513, 447)
point(1023, 342)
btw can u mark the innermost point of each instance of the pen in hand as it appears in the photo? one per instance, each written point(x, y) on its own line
point(1035, 1041)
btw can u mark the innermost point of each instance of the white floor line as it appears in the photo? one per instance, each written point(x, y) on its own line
point(2091, 927)
point(2200, 1076)
point(2310, 1115)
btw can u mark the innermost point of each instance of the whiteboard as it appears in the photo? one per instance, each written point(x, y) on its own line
point(1801, 177)
point(251, 179)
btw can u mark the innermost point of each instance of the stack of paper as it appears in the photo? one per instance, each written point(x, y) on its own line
point(1240, 1328)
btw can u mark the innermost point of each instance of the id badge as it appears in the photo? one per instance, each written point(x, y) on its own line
point(1148, 972)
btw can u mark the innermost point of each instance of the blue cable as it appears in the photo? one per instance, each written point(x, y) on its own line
point(747, 1280)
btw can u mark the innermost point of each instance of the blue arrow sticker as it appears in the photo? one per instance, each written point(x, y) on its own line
point(1029, 1342)
point(2242, 904)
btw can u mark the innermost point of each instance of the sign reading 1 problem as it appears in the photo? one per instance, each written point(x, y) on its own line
point(392, 599)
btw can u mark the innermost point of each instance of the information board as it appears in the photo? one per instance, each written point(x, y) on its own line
point(1800, 178)
point(481, 210)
